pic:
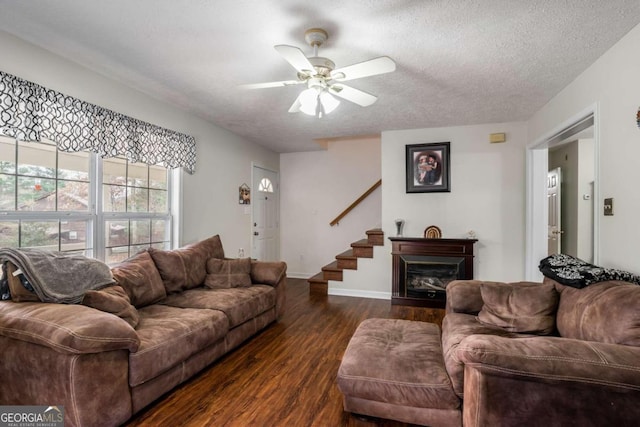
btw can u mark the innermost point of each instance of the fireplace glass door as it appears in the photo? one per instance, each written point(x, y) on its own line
point(428, 276)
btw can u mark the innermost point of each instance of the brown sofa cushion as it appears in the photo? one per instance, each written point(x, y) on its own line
point(169, 336)
point(140, 278)
point(113, 300)
point(186, 268)
point(239, 304)
point(605, 312)
point(523, 307)
point(18, 292)
point(228, 273)
point(66, 328)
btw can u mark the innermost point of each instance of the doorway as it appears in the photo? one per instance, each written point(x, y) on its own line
point(578, 231)
point(575, 158)
point(265, 216)
point(554, 202)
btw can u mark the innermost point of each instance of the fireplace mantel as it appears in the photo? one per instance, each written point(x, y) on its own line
point(407, 251)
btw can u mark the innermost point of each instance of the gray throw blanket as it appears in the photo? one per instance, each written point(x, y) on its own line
point(58, 277)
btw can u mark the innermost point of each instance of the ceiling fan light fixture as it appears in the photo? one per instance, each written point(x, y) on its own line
point(317, 102)
point(329, 102)
point(309, 101)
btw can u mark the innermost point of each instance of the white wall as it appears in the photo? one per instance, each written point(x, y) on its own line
point(611, 83)
point(315, 187)
point(487, 195)
point(210, 196)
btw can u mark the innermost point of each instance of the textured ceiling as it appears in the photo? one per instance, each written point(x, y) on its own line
point(458, 61)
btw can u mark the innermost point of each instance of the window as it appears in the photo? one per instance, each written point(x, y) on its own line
point(135, 205)
point(265, 185)
point(77, 202)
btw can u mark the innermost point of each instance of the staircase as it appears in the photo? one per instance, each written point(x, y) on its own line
point(348, 260)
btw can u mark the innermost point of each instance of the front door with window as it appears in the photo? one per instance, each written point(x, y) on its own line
point(265, 202)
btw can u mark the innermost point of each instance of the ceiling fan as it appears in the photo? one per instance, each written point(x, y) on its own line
point(323, 80)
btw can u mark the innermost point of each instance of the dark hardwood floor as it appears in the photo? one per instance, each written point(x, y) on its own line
point(285, 375)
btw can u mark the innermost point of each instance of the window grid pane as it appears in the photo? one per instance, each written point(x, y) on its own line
point(7, 192)
point(45, 192)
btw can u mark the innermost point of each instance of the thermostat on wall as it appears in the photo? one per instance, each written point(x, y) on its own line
point(608, 206)
point(497, 137)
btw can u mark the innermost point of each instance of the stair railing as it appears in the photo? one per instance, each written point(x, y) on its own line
point(356, 203)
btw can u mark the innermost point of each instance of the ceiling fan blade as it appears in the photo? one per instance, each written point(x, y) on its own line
point(375, 66)
point(271, 84)
point(356, 96)
point(295, 57)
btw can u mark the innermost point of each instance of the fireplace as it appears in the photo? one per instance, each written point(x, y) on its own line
point(428, 276)
point(422, 268)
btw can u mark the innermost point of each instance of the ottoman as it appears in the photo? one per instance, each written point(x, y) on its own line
point(394, 369)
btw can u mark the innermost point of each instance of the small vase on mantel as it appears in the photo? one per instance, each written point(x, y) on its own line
point(399, 226)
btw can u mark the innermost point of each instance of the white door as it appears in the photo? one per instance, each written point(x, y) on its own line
point(265, 201)
point(553, 197)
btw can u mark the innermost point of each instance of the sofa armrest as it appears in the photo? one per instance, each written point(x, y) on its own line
point(552, 380)
point(554, 358)
point(268, 273)
point(463, 296)
point(272, 274)
point(66, 328)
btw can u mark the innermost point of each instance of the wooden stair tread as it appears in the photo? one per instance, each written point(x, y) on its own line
point(347, 260)
point(332, 267)
point(364, 243)
point(346, 255)
point(318, 278)
point(376, 237)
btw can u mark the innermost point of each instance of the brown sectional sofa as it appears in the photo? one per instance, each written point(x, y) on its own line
point(514, 354)
point(171, 314)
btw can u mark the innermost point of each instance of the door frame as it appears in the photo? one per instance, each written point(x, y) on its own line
point(254, 191)
point(537, 164)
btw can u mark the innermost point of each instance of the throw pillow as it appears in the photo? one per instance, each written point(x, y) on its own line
point(523, 307)
point(228, 273)
point(186, 268)
point(139, 277)
point(113, 300)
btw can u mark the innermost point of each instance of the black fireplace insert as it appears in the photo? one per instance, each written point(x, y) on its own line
point(424, 276)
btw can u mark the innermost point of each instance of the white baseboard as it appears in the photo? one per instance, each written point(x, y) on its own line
point(359, 293)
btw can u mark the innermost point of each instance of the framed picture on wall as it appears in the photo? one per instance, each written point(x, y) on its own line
point(428, 168)
point(244, 195)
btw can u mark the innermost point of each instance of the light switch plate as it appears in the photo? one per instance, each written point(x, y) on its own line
point(608, 206)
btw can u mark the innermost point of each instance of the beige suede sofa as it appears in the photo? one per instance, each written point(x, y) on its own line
point(509, 354)
point(171, 314)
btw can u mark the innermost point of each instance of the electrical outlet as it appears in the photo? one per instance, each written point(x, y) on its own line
point(608, 206)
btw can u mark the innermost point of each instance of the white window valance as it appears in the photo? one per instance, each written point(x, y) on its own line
point(31, 112)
